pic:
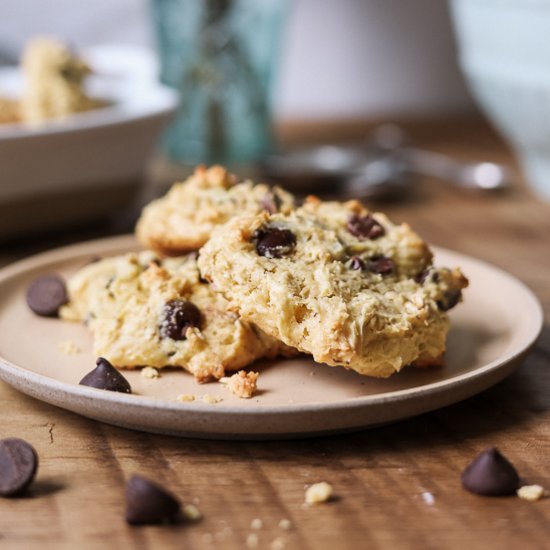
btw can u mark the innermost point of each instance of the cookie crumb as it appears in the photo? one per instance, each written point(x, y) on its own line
point(532, 492)
point(256, 524)
point(318, 492)
point(252, 541)
point(428, 498)
point(285, 524)
point(185, 398)
point(68, 347)
point(150, 372)
point(211, 399)
point(278, 544)
point(220, 536)
point(243, 384)
point(191, 512)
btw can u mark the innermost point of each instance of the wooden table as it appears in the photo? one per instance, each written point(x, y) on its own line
point(397, 486)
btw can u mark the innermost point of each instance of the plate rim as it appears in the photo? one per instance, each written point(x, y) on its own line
point(128, 241)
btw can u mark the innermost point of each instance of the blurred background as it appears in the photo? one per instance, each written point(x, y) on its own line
point(358, 98)
point(337, 59)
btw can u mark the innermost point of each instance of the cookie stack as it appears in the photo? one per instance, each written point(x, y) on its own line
point(235, 272)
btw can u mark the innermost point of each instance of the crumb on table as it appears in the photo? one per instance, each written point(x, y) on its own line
point(318, 492)
point(532, 492)
point(277, 544)
point(256, 524)
point(285, 524)
point(191, 512)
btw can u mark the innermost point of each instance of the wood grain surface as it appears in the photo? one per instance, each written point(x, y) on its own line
point(396, 486)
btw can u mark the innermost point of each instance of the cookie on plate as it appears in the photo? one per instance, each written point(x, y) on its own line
point(184, 218)
point(147, 312)
point(331, 279)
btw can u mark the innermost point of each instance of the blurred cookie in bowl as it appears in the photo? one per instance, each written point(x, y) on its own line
point(52, 87)
point(54, 82)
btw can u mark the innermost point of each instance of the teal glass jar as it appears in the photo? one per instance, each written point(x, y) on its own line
point(221, 56)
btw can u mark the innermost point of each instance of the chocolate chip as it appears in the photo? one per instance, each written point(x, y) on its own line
point(106, 377)
point(427, 274)
point(380, 265)
point(109, 283)
point(18, 465)
point(149, 503)
point(271, 202)
point(356, 263)
point(490, 474)
point(365, 227)
point(422, 276)
point(449, 300)
point(274, 242)
point(177, 317)
point(46, 295)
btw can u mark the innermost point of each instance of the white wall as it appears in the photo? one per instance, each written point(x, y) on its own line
point(340, 58)
point(349, 57)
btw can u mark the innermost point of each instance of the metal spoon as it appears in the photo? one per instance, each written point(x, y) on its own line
point(382, 168)
point(390, 139)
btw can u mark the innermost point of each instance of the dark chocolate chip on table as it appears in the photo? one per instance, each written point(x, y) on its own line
point(18, 465)
point(46, 295)
point(490, 474)
point(177, 317)
point(365, 227)
point(106, 377)
point(274, 242)
point(149, 503)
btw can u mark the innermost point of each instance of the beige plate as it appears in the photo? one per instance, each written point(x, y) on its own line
point(491, 332)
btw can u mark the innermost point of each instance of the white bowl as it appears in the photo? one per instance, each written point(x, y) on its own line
point(83, 167)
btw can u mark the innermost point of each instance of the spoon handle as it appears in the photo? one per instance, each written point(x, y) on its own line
point(487, 176)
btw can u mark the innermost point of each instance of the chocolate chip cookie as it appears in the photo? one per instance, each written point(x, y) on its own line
point(148, 312)
point(184, 218)
point(337, 281)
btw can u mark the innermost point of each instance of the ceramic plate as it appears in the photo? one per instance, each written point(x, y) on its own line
point(491, 332)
